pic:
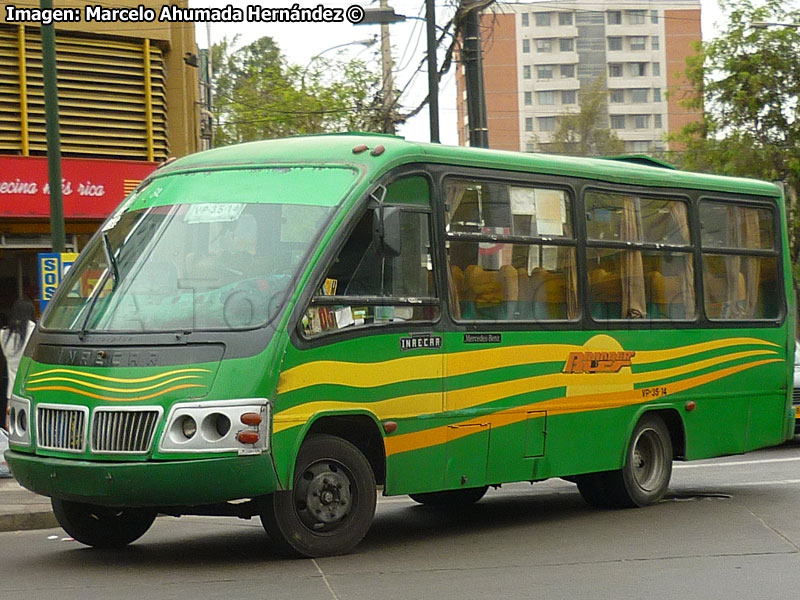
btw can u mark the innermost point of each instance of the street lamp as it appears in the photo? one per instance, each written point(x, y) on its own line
point(768, 24)
point(385, 15)
point(368, 42)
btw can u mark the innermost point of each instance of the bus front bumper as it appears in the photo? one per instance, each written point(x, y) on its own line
point(134, 484)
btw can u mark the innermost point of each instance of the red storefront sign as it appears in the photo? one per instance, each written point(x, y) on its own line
point(91, 188)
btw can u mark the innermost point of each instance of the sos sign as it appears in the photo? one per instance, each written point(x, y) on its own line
point(52, 268)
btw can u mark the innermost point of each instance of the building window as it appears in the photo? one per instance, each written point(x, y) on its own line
point(546, 98)
point(528, 98)
point(655, 43)
point(569, 97)
point(638, 42)
point(657, 123)
point(616, 96)
point(639, 95)
point(656, 69)
point(543, 19)
point(526, 72)
point(528, 123)
point(638, 69)
point(615, 70)
point(614, 43)
point(641, 121)
point(529, 147)
point(636, 17)
point(640, 146)
point(544, 72)
point(614, 17)
point(568, 71)
point(566, 44)
point(617, 121)
point(565, 18)
point(654, 17)
point(656, 94)
point(526, 19)
point(547, 123)
point(545, 45)
point(526, 45)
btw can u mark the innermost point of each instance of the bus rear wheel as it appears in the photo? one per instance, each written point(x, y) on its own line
point(451, 498)
point(331, 504)
point(644, 478)
point(102, 526)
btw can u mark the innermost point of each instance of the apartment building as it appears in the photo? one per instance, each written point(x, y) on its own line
point(539, 57)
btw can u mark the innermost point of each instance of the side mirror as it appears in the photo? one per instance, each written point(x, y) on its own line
point(386, 231)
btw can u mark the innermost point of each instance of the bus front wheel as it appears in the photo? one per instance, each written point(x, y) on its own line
point(643, 479)
point(330, 507)
point(102, 526)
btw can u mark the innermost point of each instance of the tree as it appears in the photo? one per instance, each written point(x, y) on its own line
point(259, 95)
point(748, 82)
point(586, 132)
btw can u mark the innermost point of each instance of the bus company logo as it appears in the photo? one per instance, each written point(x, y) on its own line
point(420, 341)
point(597, 362)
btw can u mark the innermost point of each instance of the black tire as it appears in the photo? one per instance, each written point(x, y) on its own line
point(451, 498)
point(593, 487)
point(644, 478)
point(331, 504)
point(102, 526)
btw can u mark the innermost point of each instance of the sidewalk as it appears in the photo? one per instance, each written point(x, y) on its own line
point(21, 509)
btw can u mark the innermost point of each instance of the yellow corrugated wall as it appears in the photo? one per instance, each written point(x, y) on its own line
point(102, 98)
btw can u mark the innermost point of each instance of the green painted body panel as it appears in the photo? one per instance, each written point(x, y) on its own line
point(530, 419)
point(466, 414)
point(173, 483)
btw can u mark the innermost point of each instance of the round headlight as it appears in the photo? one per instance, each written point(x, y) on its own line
point(188, 426)
point(22, 421)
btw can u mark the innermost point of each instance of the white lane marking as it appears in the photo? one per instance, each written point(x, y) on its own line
point(756, 483)
point(325, 579)
point(735, 463)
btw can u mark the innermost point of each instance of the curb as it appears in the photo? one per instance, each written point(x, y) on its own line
point(27, 520)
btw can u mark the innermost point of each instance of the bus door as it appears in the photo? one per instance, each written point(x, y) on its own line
point(371, 337)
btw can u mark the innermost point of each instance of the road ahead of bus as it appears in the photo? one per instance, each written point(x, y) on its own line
point(730, 528)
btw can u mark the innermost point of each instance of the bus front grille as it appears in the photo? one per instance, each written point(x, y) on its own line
point(796, 396)
point(130, 430)
point(61, 428)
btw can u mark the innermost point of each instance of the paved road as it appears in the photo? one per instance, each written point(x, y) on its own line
point(729, 529)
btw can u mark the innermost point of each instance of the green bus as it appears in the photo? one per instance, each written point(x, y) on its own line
point(284, 328)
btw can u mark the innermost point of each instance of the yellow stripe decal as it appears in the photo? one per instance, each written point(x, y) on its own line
point(573, 404)
point(60, 388)
point(115, 379)
point(408, 406)
point(364, 375)
point(113, 389)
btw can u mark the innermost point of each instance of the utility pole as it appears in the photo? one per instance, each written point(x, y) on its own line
point(473, 69)
point(50, 74)
point(433, 74)
point(388, 82)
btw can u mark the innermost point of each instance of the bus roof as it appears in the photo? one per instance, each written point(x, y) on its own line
point(339, 149)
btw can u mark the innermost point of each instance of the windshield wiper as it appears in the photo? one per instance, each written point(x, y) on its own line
point(112, 262)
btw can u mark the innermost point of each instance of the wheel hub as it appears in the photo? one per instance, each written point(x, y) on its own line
point(327, 496)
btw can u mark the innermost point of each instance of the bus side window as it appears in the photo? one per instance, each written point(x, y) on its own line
point(493, 278)
point(359, 271)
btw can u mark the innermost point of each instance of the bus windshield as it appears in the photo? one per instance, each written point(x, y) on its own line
point(190, 265)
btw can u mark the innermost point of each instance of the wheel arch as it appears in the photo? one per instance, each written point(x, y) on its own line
point(674, 422)
point(359, 428)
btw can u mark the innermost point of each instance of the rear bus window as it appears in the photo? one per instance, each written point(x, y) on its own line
point(740, 263)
